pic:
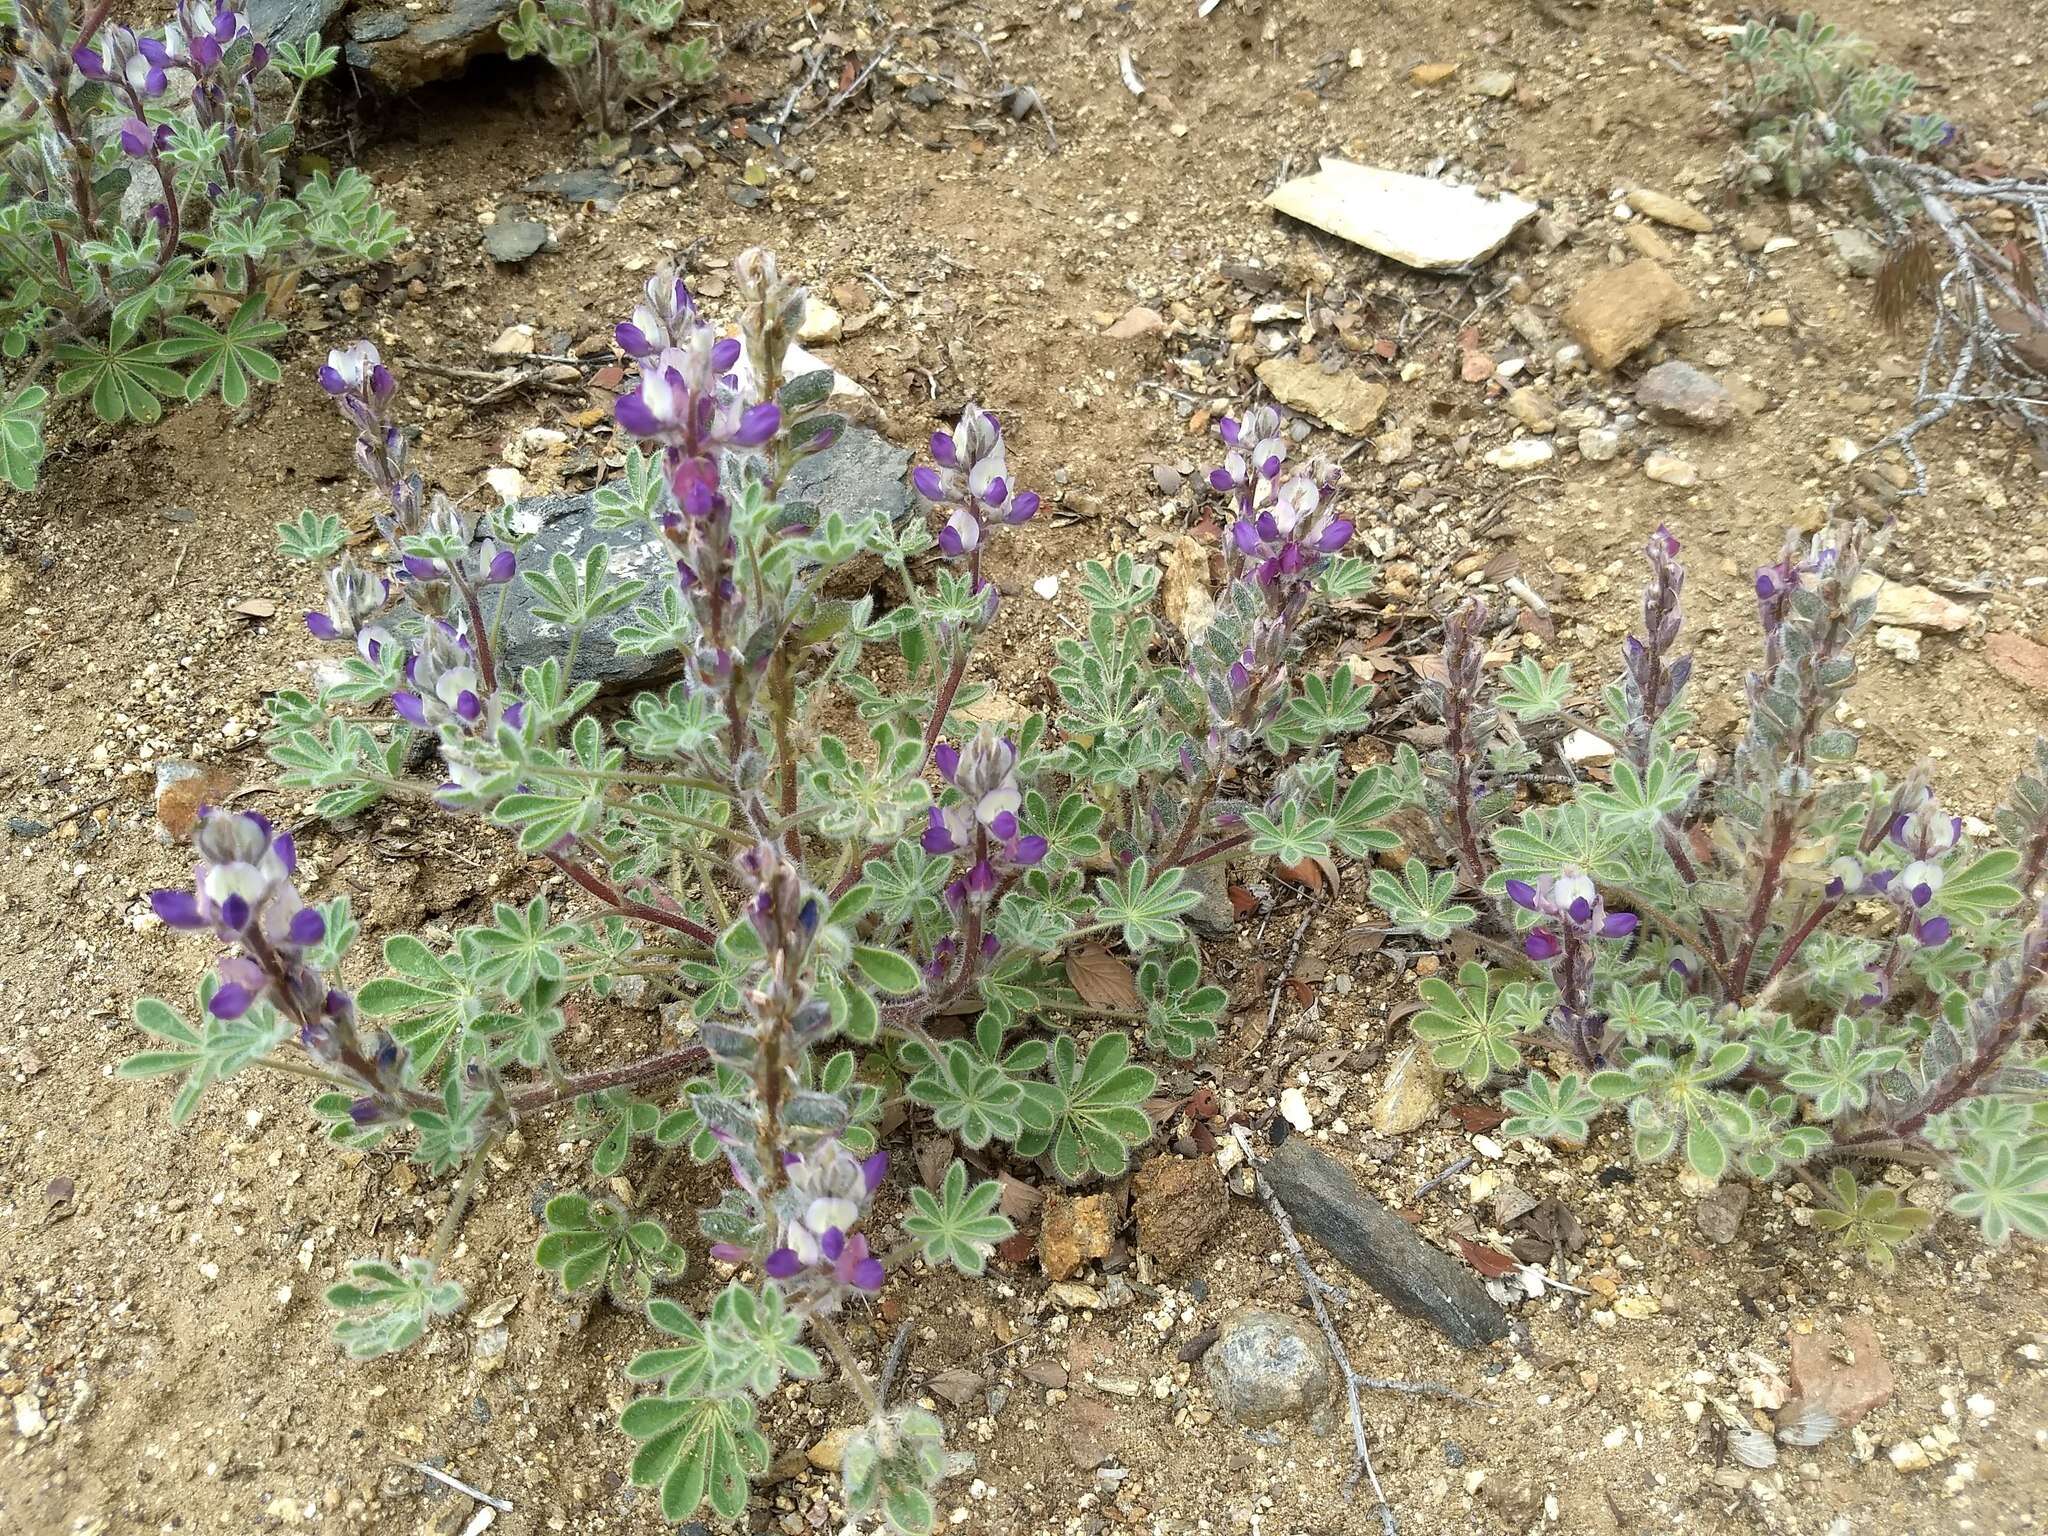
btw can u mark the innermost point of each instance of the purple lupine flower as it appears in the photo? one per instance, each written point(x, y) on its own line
point(125, 60)
point(661, 319)
point(1285, 525)
point(971, 481)
point(242, 884)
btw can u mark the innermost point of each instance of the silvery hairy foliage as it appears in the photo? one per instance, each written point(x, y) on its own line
point(140, 177)
point(1801, 969)
point(609, 50)
point(856, 901)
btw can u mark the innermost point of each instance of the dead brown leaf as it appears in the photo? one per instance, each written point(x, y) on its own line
point(1103, 980)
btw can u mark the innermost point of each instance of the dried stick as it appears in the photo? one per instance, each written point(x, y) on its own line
point(1318, 1289)
point(1287, 967)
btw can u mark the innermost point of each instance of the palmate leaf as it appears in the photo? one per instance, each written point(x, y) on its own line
point(122, 377)
point(1470, 1028)
point(683, 1367)
point(1546, 1111)
point(1419, 902)
point(21, 436)
point(312, 536)
point(1181, 1015)
point(204, 1054)
point(389, 1306)
point(1977, 892)
point(696, 1450)
point(1291, 837)
point(426, 1003)
point(523, 946)
point(1099, 1119)
point(1873, 1220)
point(2004, 1190)
point(1145, 908)
point(959, 1225)
point(755, 1341)
point(971, 1097)
point(1325, 708)
point(228, 360)
point(1530, 691)
point(594, 1242)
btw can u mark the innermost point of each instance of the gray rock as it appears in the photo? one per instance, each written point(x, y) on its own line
point(1679, 392)
point(1266, 1367)
point(860, 473)
point(1379, 1247)
point(513, 237)
point(288, 21)
point(583, 184)
point(1213, 917)
point(1857, 250)
point(400, 49)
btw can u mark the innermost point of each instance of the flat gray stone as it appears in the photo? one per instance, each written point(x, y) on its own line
point(581, 185)
point(288, 21)
point(859, 474)
point(512, 237)
point(401, 49)
point(1679, 392)
point(1380, 1248)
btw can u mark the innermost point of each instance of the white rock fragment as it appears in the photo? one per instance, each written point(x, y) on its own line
point(1599, 444)
point(1047, 587)
point(1582, 749)
point(1902, 643)
point(1294, 1110)
point(821, 322)
point(1522, 453)
point(506, 483)
point(1670, 469)
point(1433, 225)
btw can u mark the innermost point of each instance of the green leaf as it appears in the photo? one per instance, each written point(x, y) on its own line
point(1181, 1016)
point(389, 1307)
point(121, 376)
point(21, 436)
point(696, 1450)
point(1323, 710)
point(1981, 890)
point(1146, 909)
point(1873, 1220)
point(428, 1001)
point(886, 969)
point(1292, 837)
point(1546, 1111)
point(1099, 1120)
point(2004, 1190)
point(959, 1225)
point(971, 1097)
point(228, 360)
point(1420, 903)
point(754, 1341)
point(213, 1050)
point(312, 537)
point(1470, 1029)
point(1530, 691)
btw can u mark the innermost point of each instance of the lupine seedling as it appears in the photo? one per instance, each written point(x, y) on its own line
point(1812, 103)
point(1799, 971)
point(609, 51)
point(139, 180)
point(844, 921)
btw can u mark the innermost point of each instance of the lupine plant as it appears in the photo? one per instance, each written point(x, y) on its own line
point(1812, 96)
point(841, 925)
point(609, 51)
point(139, 179)
point(1799, 969)
point(1816, 103)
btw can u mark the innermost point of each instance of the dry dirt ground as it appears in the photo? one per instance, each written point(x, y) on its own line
point(161, 1331)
